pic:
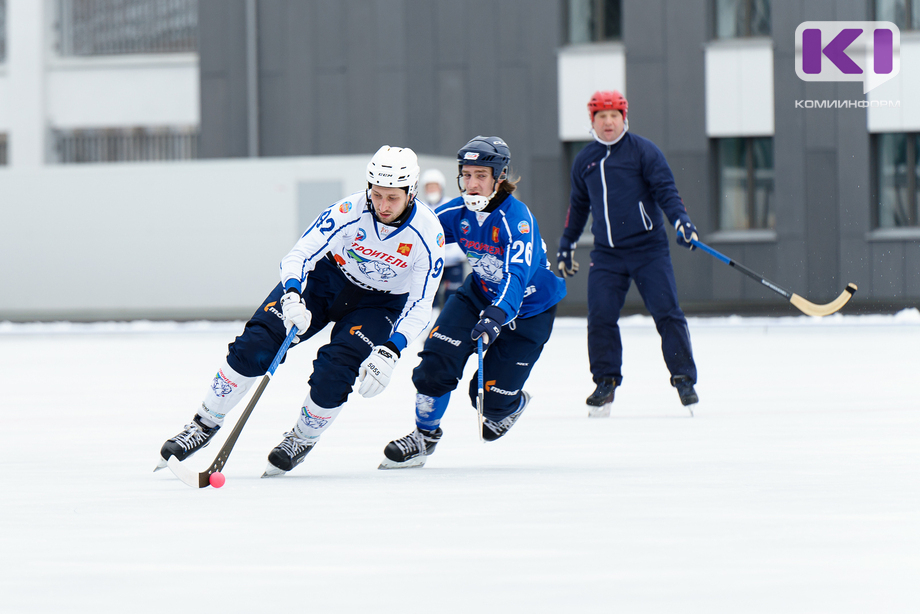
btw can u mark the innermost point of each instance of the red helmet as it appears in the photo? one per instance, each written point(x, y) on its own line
point(607, 100)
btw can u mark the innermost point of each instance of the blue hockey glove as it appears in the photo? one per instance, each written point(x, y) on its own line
point(685, 231)
point(489, 325)
point(565, 257)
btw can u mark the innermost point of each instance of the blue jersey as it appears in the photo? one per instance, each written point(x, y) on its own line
point(507, 255)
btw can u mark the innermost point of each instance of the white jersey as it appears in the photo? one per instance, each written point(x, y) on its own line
point(405, 259)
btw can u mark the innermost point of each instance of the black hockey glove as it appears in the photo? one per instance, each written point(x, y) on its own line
point(489, 325)
point(566, 258)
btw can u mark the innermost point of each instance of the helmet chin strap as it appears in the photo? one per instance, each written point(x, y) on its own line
point(478, 202)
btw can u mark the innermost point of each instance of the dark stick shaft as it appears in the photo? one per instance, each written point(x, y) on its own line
point(224, 453)
point(759, 278)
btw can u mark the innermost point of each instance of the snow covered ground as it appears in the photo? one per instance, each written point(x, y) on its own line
point(795, 488)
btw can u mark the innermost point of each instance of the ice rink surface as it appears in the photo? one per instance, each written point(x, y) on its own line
point(795, 488)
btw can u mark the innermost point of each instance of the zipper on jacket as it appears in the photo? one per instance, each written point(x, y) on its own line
point(606, 204)
point(645, 216)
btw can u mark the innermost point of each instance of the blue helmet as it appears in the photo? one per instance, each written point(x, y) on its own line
point(489, 151)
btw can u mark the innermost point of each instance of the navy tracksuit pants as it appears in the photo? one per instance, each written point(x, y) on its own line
point(507, 363)
point(608, 282)
point(363, 319)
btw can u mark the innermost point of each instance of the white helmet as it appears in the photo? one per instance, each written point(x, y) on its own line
point(433, 175)
point(394, 167)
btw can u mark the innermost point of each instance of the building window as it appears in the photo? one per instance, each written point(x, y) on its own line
point(592, 21)
point(903, 13)
point(745, 176)
point(896, 171)
point(742, 18)
point(2, 31)
point(125, 145)
point(114, 27)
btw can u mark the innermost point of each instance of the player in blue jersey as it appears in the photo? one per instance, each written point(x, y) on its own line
point(509, 301)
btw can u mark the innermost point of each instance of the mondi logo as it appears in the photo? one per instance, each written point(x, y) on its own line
point(867, 51)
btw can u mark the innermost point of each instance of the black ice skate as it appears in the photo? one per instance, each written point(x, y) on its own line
point(412, 450)
point(601, 399)
point(194, 437)
point(492, 430)
point(685, 390)
point(287, 455)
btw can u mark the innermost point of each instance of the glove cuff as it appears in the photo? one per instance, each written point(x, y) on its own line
point(392, 347)
point(495, 313)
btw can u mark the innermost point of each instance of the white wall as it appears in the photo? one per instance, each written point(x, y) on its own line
point(583, 70)
point(141, 90)
point(739, 88)
point(160, 240)
point(904, 88)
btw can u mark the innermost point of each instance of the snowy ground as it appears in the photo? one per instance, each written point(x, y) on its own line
point(796, 488)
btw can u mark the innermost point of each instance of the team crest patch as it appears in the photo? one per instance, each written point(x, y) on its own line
point(345, 206)
point(361, 235)
point(523, 227)
point(404, 248)
point(440, 239)
point(464, 226)
point(495, 234)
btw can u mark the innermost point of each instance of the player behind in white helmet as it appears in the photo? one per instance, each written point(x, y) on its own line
point(432, 190)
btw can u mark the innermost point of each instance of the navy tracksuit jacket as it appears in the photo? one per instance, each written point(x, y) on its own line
point(628, 188)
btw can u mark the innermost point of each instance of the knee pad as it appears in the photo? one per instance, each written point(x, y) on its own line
point(252, 352)
point(434, 376)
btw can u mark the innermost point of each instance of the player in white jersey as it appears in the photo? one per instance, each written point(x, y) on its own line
point(370, 264)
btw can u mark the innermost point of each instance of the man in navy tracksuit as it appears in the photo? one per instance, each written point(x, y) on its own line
point(625, 183)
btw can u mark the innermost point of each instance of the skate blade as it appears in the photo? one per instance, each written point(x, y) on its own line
point(161, 464)
point(272, 472)
point(418, 461)
point(599, 412)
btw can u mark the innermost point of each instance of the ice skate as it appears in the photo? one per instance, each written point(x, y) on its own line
point(194, 437)
point(685, 390)
point(410, 451)
point(287, 455)
point(492, 429)
point(601, 399)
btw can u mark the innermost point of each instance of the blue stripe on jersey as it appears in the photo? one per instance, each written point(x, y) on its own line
point(427, 277)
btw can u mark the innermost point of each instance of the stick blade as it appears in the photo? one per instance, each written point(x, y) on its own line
point(192, 478)
point(811, 309)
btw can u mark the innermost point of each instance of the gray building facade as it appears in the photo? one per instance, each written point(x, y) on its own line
point(324, 77)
